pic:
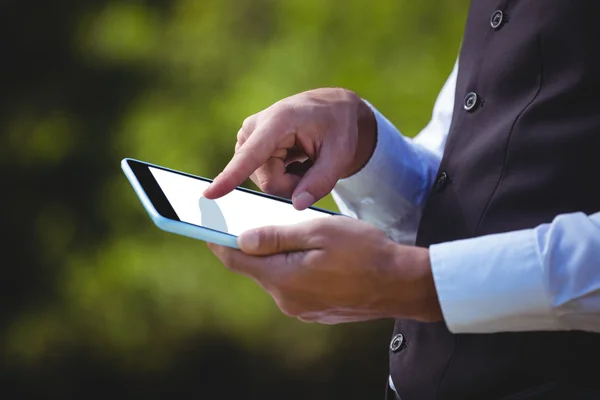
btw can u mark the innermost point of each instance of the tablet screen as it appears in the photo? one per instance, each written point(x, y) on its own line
point(233, 213)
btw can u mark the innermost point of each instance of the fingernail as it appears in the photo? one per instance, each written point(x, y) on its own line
point(248, 241)
point(303, 200)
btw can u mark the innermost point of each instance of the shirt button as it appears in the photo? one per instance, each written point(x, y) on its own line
point(397, 342)
point(471, 101)
point(497, 19)
point(442, 182)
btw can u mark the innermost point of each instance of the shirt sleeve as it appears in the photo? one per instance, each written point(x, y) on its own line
point(547, 278)
point(391, 189)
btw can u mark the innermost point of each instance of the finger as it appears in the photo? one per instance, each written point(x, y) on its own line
point(272, 178)
point(246, 130)
point(248, 265)
point(251, 155)
point(280, 153)
point(278, 239)
point(319, 180)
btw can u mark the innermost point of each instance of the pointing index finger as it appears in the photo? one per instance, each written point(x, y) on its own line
point(255, 152)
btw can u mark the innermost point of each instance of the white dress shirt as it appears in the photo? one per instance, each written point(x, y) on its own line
point(546, 278)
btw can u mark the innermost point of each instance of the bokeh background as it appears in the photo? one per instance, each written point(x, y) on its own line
point(96, 302)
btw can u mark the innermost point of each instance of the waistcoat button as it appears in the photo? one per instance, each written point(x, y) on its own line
point(397, 342)
point(471, 101)
point(442, 182)
point(497, 19)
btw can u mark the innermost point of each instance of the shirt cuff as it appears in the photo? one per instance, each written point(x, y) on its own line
point(492, 284)
point(397, 165)
point(390, 189)
point(387, 136)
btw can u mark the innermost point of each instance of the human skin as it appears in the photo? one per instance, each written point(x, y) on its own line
point(333, 269)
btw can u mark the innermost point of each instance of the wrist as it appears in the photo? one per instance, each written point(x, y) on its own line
point(367, 137)
point(416, 279)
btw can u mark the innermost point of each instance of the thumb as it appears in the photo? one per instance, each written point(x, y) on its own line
point(274, 239)
point(318, 181)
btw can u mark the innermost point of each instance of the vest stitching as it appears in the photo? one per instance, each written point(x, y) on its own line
point(489, 202)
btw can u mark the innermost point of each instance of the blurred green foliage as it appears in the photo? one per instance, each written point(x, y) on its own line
point(87, 83)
